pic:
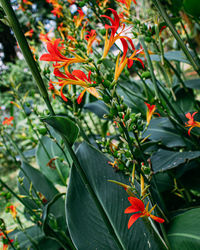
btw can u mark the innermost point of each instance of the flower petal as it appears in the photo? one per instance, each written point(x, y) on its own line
point(137, 203)
point(131, 209)
point(133, 218)
point(158, 219)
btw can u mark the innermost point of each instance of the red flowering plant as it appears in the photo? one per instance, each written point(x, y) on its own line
point(117, 113)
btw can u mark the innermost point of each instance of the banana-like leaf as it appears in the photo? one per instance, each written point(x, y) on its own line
point(184, 231)
point(91, 229)
point(63, 125)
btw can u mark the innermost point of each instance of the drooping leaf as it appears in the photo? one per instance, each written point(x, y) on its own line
point(127, 91)
point(33, 235)
point(164, 160)
point(87, 227)
point(42, 185)
point(193, 83)
point(174, 55)
point(161, 129)
point(56, 171)
point(192, 7)
point(184, 231)
point(63, 125)
point(98, 108)
point(185, 101)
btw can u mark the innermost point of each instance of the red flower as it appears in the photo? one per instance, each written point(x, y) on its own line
point(7, 121)
point(115, 24)
point(29, 33)
point(91, 38)
point(77, 77)
point(150, 111)
point(12, 210)
point(125, 60)
point(78, 19)
point(127, 3)
point(138, 206)
point(191, 123)
point(54, 52)
point(5, 241)
point(55, 55)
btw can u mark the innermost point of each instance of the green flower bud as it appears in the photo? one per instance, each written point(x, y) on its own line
point(146, 75)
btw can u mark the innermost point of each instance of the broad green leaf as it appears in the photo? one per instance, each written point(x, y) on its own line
point(42, 185)
point(184, 231)
point(192, 183)
point(63, 125)
point(127, 91)
point(35, 235)
point(174, 55)
point(164, 160)
point(164, 181)
point(192, 7)
point(193, 83)
point(86, 225)
point(161, 129)
point(98, 108)
point(185, 101)
point(58, 174)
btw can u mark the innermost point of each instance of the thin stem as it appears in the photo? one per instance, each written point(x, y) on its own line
point(190, 42)
point(10, 242)
point(176, 35)
point(141, 38)
point(18, 198)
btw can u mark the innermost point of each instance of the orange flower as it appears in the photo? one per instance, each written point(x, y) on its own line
point(55, 55)
point(71, 2)
point(191, 123)
point(27, 2)
point(7, 121)
point(12, 210)
point(91, 38)
point(77, 77)
point(125, 60)
point(115, 24)
point(127, 3)
point(138, 206)
point(29, 33)
point(150, 110)
point(5, 241)
point(57, 8)
point(78, 19)
point(53, 90)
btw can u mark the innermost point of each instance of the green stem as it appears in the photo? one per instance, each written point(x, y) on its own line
point(16, 147)
point(131, 92)
point(26, 51)
point(141, 38)
point(176, 35)
point(190, 42)
point(10, 242)
point(19, 199)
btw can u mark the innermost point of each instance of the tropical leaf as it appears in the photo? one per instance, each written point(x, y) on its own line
point(164, 160)
point(161, 129)
point(33, 236)
point(63, 125)
point(174, 55)
point(49, 160)
point(184, 231)
point(98, 108)
point(92, 229)
point(31, 176)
